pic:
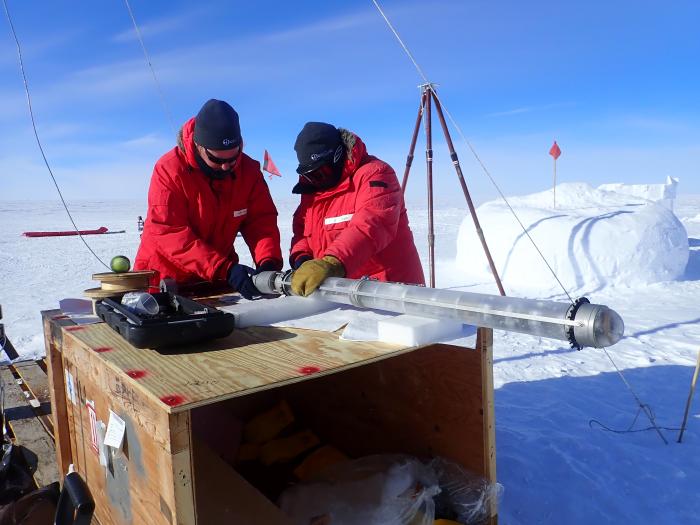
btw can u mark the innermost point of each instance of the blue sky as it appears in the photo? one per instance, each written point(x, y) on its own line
point(615, 83)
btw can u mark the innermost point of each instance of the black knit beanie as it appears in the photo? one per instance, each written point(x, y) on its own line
point(216, 126)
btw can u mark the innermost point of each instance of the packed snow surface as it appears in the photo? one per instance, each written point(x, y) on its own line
point(593, 238)
point(558, 466)
point(664, 194)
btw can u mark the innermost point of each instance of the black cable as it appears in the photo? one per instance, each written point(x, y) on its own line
point(36, 134)
point(161, 94)
point(630, 429)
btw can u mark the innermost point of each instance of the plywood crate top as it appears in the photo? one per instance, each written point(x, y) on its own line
point(247, 361)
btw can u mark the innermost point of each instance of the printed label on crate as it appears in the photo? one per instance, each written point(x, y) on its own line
point(93, 425)
point(115, 431)
point(70, 387)
point(101, 429)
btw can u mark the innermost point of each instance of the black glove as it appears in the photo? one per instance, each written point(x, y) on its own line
point(301, 259)
point(269, 265)
point(239, 277)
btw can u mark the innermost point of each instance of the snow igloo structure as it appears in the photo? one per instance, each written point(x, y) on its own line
point(592, 239)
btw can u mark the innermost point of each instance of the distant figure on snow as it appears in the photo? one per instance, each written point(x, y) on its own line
point(139, 223)
point(352, 219)
point(203, 192)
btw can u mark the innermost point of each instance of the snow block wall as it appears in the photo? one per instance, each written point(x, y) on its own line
point(593, 239)
point(663, 194)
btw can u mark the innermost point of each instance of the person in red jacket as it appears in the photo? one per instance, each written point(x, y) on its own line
point(352, 219)
point(203, 193)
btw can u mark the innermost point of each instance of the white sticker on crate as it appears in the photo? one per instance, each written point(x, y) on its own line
point(70, 387)
point(115, 431)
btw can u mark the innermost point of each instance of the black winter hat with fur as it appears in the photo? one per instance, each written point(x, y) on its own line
point(317, 144)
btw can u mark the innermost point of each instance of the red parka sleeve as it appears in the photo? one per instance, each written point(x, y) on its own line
point(167, 212)
point(376, 219)
point(259, 229)
point(300, 245)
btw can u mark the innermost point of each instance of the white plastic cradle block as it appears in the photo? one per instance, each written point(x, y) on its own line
point(411, 330)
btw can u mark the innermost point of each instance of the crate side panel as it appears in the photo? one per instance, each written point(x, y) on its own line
point(57, 390)
point(137, 485)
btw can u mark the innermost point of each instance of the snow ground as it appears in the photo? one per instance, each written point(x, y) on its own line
point(556, 468)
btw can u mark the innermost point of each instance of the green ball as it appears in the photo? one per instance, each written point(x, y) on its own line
point(120, 264)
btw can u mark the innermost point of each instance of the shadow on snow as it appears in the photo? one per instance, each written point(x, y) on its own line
point(558, 469)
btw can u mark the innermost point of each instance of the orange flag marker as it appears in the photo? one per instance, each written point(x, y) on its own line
point(269, 165)
point(555, 152)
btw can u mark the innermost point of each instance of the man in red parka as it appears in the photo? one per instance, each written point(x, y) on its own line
point(352, 219)
point(203, 192)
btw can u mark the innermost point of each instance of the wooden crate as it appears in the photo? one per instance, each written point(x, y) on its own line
point(362, 397)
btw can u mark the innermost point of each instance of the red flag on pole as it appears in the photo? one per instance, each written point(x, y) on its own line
point(269, 166)
point(554, 151)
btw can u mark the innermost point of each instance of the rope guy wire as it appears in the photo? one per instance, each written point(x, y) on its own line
point(471, 148)
point(36, 133)
point(647, 411)
point(161, 94)
point(643, 406)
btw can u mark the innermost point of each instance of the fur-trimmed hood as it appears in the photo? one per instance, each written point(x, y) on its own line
point(355, 151)
point(185, 143)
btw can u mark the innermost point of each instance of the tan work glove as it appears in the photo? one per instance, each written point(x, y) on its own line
point(312, 273)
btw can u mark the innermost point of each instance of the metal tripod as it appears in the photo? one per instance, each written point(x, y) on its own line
point(428, 96)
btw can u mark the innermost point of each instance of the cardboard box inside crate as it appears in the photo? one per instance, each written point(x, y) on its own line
point(429, 402)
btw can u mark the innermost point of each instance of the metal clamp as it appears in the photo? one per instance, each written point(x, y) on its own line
point(571, 315)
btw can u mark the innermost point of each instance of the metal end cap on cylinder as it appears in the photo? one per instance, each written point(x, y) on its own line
point(600, 326)
point(270, 283)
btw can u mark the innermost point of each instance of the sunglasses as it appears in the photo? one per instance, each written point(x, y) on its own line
point(217, 160)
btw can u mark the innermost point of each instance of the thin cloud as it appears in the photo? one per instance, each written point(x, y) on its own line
point(156, 27)
point(126, 80)
point(327, 25)
point(529, 109)
point(145, 142)
point(59, 130)
point(511, 112)
point(359, 19)
point(647, 123)
point(125, 175)
point(34, 47)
